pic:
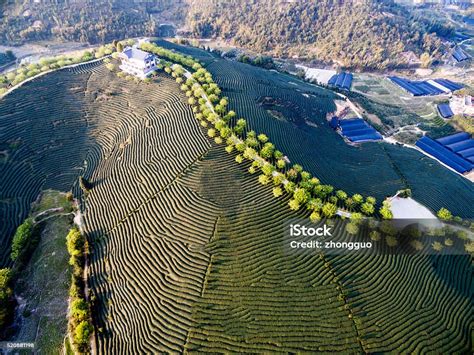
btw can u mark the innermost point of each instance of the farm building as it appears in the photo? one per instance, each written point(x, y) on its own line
point(425, 88)
point(460, 55)
point(341, 80)
point(137, 62)
point(456, 150)
point(445, 110)
point(356, 130)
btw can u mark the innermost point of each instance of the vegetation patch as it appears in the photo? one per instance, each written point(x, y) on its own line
point(282, 110)
point(40, 274)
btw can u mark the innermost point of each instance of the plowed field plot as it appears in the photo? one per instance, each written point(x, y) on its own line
point(186, 246)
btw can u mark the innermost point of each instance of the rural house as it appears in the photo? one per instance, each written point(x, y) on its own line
point(137, 62)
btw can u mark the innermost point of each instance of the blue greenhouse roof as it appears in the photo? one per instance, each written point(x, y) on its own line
point(460, 55)
point(341, 80)
point(456, 150)
point(445, 110)
point(424, 88)
point(358, 130)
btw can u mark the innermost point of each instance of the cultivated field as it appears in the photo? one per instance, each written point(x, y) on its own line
point(43, 144)
point(375, 169)
point(187, 251)
point(384, 91)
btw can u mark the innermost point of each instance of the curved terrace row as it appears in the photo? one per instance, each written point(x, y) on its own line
point(305, 189)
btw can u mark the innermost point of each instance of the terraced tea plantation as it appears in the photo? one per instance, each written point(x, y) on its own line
point(43, 144)
point(187, 248)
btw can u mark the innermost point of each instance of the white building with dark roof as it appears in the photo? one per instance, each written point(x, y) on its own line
point(137, 62)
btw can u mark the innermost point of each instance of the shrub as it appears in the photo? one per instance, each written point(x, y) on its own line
point(84, 184)
point(6, 293)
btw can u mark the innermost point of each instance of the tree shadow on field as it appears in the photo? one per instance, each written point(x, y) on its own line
point(98, 281)
point(97, 183)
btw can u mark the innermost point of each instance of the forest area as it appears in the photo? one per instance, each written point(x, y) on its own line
point(358, 34)
point(88, 21)
point(363, 34)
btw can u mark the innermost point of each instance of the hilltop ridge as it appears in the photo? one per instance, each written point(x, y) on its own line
point(351, 33)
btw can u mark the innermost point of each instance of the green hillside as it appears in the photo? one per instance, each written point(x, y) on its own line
point(366, 34)
point(187, 249)
point(86, 20)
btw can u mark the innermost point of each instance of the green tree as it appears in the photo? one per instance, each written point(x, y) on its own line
point(367, 209)
point(267, 151)
point(301, 195)
point(341, 195)
point(79, 310)
point(314, 204)
point(22, 239)
point(358, 199)
point(294, 205)
point(268, 169)
point(385, 211)
point(211, 132)
point(83, 333)
point(290, 187)
point(278, 179)
point(263, 179)
point(262, 138)
point(277, 191)
point(371, 200)
point(352, 228)
point(426, 60)
point(444, 214)
point(76, 244)
point(315, 217)
point(329, 210)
